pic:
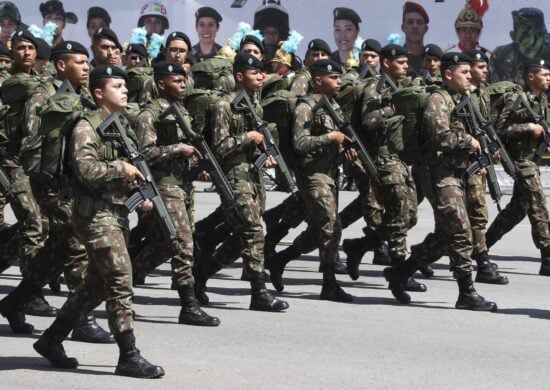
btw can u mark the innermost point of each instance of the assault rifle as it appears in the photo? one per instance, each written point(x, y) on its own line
point(111, 128)
point(521, 104)
point(385, 83)
point(484, 158)
point(208, 162)
point(66, 87)
point(270, 147)
point(348, 130)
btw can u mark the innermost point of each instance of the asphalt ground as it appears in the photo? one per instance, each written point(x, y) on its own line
point(372, 343)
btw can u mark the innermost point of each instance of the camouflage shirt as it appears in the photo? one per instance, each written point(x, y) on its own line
point(301, 83)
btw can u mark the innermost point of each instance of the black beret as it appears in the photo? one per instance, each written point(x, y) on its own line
point(208, 12)
point(56, 7)
point(107, 72)
point(168, 68)
point(68, 47)
point(5, 51)
point(433, 50)
point(537, 63)
point(455, 58)
point(320, 45)
point(371, 45)
point(24, 35)
point(254, 40)
point(326, 66)
point(107, 33)
point(346, 14)
point(43, 50)
point(411, 6)
point(477, 55)
point(136, 48)
point(392, 51)
point(247, 61)
point(98, 12)
point(178, 35)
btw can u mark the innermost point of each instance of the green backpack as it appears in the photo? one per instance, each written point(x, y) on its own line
point(137, 77)
point(273, 84)
point(43, 155)
point(409, 103)
point(498, 94)
point(214, 73)
point(201, 105)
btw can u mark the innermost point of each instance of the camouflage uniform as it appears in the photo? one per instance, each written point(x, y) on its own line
point(528, 197)
point(236, 155)
point(101, 220)
point(397, 189)
point(301, 82)
point(315, 174)
point(161, 143)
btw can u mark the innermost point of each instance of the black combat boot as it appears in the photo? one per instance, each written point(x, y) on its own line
point(331, 290)
point(38, 306)
point(55, 284)
point(273, 237)
point(486, 273)
point(201, 276)
point(50, 345)
point(398, 277)
point(88, 331)
point(262, 300)
point(469, 299)
point(130, 362)
point(276, 265)
point(411, 285)
point(427, 271)
point(355, 249)
point(13, 312)
point(191, 313)
point(381, 255)
point(545, 261)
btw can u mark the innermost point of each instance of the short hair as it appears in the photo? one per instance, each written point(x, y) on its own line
point(97, 84)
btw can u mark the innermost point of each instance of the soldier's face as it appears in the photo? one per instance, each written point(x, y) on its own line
point(5, 62)
point(315, 55)
point(173, 87)
point(105, 52)
point(345, 34)
point(177, 51)
point(95, 24)
point(431, 64)
point(24, 54)
point(328, 83)
point(153, 24)
point(113, 96)
point(479, 72)
point(271, 35)
point(459, 78)
point(468, 37)
point(370, 58)
point(397, 68)
point(251, 80)
point(252, 49)
point(207, 28)
point(75, 68)
point(8, 27)
point(539, 81)
point(414, 27)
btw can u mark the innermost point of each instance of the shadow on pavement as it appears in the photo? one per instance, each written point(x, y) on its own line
point(513, 258)
point(533, 313)
point(8, 363)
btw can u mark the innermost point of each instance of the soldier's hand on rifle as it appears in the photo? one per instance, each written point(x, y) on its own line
point(189, 151)
point(146, 206)
point(350, 154)
point(255, 136)
point(536, 130)
point(337, 137)
point(131, 173)
point(270, 162)
point(474, 145)
point(203, 176)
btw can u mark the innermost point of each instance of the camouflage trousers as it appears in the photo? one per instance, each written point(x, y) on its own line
point(247, 238)
point(453, 234)
point(324, 230)
point(158, 249)
point(2, 207)
point(109, 276)
point(366, 205)
point(294, 211)
point(398, 195)
point(478, 213)
point(27, 212)
point(189, 189)
point(527, 199)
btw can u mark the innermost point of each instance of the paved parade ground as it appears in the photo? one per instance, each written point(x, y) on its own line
point(372, 343)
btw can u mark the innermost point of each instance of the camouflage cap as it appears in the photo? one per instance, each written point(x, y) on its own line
point(433, 50)
point(178, 35)
point(477, 55)
point(371, 45)
point(346, 14)
point(168, 68)
point(107, 72)
point(392, 51)
point(318, 45)
point(531, 17)
point(537, 63)
point(468, 18)
point(69, 47)
point(326, 66)
point(10, 11)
